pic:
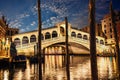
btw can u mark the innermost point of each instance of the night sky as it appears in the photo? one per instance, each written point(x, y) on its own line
point(22, 14)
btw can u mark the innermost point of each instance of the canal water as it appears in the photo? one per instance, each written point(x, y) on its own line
point(54, 69)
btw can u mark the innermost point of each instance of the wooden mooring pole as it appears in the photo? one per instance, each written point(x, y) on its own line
point(116, 40)
point(39, 40)
point(67, 50)
point(93, 57)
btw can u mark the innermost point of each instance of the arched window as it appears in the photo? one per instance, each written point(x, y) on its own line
point(97, 40)
point(85, 37)
point(54, 34)
point(101, 42)
point(17, 41)
point(62, 30)
point(33, 38)
point(47, 35)
point(79, 35)
point(73, 34)
point(42, 37)
point(25, 40)
point(8, 32)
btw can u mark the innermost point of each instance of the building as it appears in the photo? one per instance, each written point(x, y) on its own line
point(3, 28)
point(107, 27)
point(118, 24)
point(6, 34)
point(98, 28)
point(10, 32)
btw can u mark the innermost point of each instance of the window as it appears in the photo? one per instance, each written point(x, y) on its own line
point(8, 33)
point(111, 36)
point(105, 31)
point(47, 35)
point(11, 33)
point(97, 40)
point(62, 31)
point(110, 24)
point(33, 38)
point(104, 26)
point(85, 37)
point(54, 34)
point(73, 34)
point(79, 35)
point(111, 30)
point(109, 19)
point(16, 32)
point(17, 41)
point(101, 42)
point(25, 40)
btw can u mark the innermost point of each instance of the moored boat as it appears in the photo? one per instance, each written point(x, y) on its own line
point(19, 59)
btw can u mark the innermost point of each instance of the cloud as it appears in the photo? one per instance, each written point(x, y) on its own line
point(21, 16)
point(33, 23)
point(22, 30)
point(34, 9)
point(15, 24)
point(54, 11)
point(102, 8)
point(59, 9)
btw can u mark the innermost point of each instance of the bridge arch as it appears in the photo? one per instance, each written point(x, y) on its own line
point(62, 30)
point(73, 34)
point(54, 34)
point(101, 42)
point(79, 35)
point(17, 41)
point(25, 40)
point(97, 41)
point(73, 47)
point(85, 37)
point(32, 38)
point(47, 35)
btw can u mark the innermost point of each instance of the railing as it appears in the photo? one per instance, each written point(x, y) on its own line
point(58, 39)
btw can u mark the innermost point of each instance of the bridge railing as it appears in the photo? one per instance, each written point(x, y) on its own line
point(58, 39)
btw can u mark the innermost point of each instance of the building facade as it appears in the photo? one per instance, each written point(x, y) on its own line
point(10, 32)
point(98, 29)
point(3, 28)
point(6, 34)
point(107, 27)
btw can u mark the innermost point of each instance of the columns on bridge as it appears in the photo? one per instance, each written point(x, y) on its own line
point(54, 50)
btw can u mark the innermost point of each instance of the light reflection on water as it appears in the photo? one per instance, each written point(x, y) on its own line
point(54, 69)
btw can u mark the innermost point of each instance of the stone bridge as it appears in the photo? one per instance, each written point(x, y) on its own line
point(53, 39)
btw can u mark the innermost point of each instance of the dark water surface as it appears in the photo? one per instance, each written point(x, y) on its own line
point(54, 69)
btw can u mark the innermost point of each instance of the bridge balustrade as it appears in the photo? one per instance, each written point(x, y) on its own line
point(57, 40)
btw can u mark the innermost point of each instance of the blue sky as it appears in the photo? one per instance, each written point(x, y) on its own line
point(22, 14)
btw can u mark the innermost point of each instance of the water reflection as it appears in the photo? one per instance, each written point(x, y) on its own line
point(54, 69)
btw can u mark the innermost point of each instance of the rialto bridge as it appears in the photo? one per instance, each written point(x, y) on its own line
point(53, 41)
